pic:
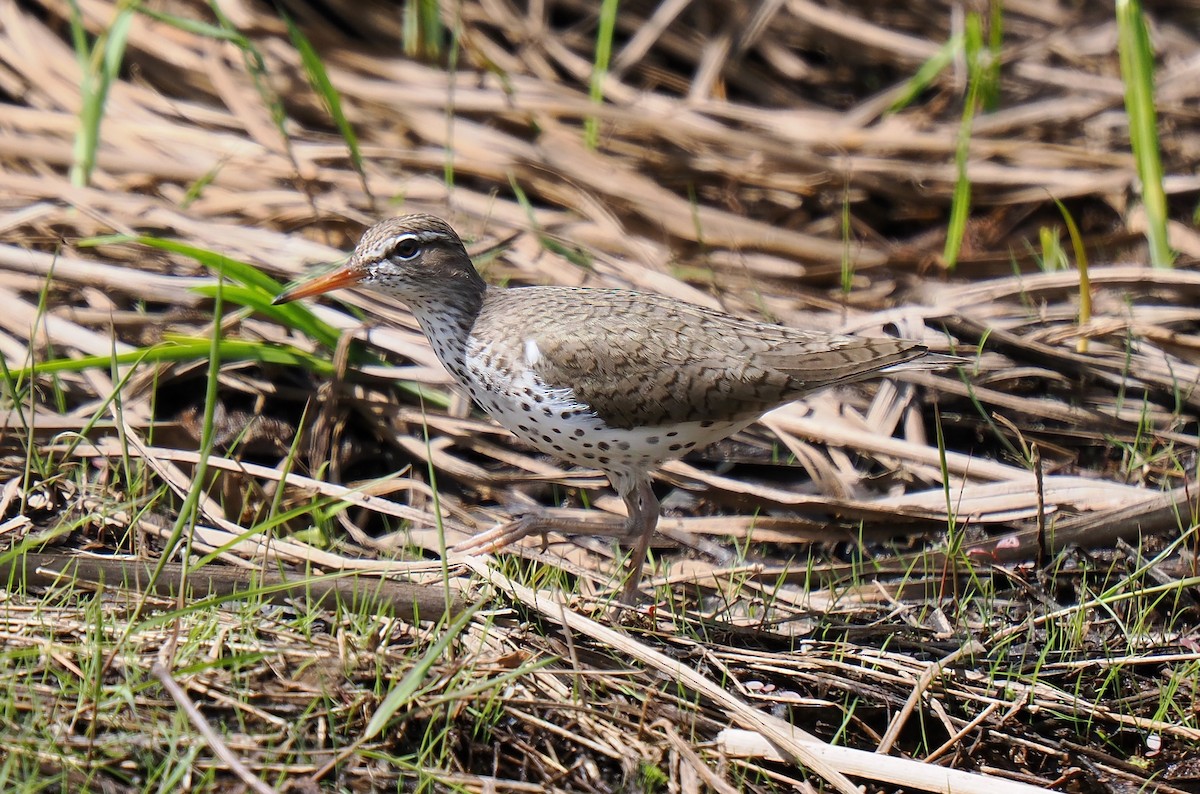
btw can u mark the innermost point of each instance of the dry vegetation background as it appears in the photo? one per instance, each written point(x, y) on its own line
point(1021, 605)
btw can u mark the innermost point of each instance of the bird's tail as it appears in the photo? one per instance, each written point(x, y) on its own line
point(930, 362)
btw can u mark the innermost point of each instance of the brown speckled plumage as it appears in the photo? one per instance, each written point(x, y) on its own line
point(615, 379)
point(639, 359)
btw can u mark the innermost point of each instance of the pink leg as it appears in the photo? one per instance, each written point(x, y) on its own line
point(640, 504)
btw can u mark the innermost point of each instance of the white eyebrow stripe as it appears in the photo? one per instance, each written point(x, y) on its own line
point(427, 236)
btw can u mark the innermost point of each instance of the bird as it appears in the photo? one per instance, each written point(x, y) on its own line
point(612, 379)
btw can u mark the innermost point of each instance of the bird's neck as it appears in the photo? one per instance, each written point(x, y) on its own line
point(448, 316)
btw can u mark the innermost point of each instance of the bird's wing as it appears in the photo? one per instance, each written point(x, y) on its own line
point(643, 360)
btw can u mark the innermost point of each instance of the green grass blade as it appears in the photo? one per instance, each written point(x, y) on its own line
point(101, 67)
point(196, 27)
point(457, 695)
point(422, 31)
point(208, 435)
point(256, 67)
point(960, 205)
point(318, 78)
point(294, 315)
point(406, 689)
point(257, 290)
point(928, 72)
point(431, 26)
point(182, 349)
point(604, 39)
point(191, 503)
point(240, 272)
point(1052, 255)
point(79, 39)
point(196, 189)
point(1137, 71)
point(1081, 262)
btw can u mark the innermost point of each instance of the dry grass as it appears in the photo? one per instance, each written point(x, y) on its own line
point(1017, 601)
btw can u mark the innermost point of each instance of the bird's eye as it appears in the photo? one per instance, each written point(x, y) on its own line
point(406, 249)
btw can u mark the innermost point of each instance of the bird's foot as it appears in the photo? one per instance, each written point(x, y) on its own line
point(508, 533)
point(637, 527)
point(534, 522)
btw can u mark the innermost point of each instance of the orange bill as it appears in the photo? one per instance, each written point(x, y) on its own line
point(345, 276)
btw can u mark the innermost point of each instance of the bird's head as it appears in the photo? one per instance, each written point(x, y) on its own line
point(413, 258)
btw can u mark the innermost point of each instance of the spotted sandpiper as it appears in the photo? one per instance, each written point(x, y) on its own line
point(612, 379)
